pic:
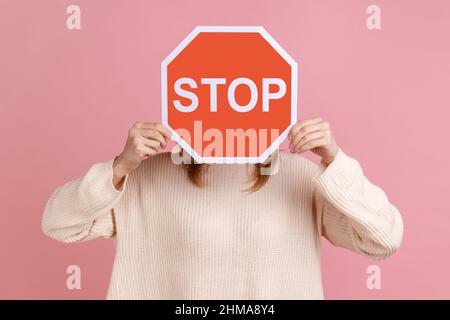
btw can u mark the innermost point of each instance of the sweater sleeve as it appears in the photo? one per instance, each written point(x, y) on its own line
point(354, 213)
point(83, 209)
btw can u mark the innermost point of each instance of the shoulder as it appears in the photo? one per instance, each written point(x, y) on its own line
point(296, 171)
point(157, 166)
point(296, 164)
point(294, 177)
point(159, 159)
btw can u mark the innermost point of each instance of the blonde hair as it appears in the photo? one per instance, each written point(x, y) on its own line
point(195, 173)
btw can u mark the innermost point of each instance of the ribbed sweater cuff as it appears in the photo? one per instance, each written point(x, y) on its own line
point(105, 171)
point(338, 178)
point(97, 188)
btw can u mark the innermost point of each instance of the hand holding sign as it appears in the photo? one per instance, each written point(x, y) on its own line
point(315, 135)
point(144, 139)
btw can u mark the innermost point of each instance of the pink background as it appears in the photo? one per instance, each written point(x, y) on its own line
point(67, 99)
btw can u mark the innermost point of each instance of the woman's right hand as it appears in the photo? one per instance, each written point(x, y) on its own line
point(144, 140)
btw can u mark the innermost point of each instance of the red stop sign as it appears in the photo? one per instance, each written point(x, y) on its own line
point(229, 94)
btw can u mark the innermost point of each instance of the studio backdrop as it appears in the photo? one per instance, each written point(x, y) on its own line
point(76, 74)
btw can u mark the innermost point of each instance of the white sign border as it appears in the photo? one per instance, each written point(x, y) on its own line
point(294, 75)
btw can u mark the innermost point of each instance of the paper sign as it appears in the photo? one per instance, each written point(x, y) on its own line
point(229, 94)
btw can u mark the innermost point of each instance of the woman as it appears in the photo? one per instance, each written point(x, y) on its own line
point(203, 232)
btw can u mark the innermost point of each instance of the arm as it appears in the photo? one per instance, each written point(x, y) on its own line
point(354, 213)
point(83, 209)
point(351, 211)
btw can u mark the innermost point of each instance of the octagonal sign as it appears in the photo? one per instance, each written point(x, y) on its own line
point(229, 94)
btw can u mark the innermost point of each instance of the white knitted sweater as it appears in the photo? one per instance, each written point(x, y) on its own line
point(178, 241)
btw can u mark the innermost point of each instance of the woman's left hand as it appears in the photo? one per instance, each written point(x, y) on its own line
point(315, 135)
